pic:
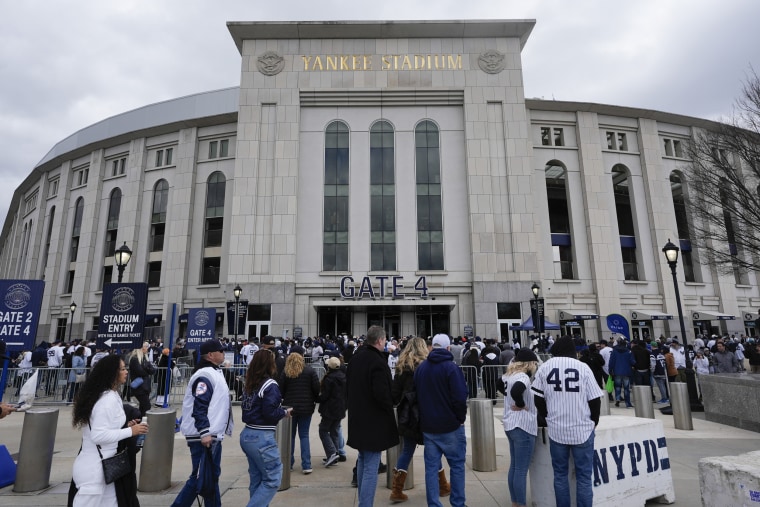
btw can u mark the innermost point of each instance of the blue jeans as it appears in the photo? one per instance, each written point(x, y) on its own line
point(301, 424)
point(264, 465)
point(186, 497)
point(521, 444)
point(366, 476)
point(342, 447)
point(662, 385)
point(624, 382)
point(407, 453)
point(453, 445)
point(583, 457)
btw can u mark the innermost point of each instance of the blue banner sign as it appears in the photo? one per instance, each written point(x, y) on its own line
point(618, 324)
point(201, 324)
point(242, 313)
point(20, 303)
point(122, 315)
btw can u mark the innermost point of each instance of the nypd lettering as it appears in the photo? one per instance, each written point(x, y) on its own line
point(609, 462)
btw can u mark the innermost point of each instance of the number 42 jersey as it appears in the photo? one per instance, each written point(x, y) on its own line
point(567, 385)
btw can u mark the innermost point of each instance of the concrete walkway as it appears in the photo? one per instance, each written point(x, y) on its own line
point(332, 486)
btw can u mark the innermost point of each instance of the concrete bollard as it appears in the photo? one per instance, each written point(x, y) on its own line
point(35, 456)
point(391, 457)
point(158, 451)
point(679, 400)
point(284, 443)
point(642, 405)
point(483, 436)
point(605, 410)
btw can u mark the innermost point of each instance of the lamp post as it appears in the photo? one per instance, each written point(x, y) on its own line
point(536, 317)
point(237, 291)
point(73, 308)
point(671, 256)
point(123, 254)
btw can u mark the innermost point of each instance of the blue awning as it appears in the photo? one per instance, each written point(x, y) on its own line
point(528, 325)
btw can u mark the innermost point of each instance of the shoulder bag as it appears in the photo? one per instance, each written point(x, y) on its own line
point(136, 383)
point(115, 467)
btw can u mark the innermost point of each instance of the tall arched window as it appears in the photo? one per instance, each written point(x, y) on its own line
point(48, 235)
point(23, 250)
point(429, 213)
point(335, 228)
point(157, 231)
point(682, 225)
point(626, 229)
point(212, 261)
point(76, 231)
point(112, 227)
point(559, 220)
point(382, 195)
point(740, 274)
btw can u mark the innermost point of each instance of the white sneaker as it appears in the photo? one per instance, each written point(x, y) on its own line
point(307, 471)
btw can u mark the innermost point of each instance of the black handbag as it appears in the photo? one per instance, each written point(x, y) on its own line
point(115, 467)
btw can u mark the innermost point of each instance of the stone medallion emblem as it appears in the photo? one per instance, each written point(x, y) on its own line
point(270, 63)
point(491, 61)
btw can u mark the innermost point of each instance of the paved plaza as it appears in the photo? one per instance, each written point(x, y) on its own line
point(332, 486)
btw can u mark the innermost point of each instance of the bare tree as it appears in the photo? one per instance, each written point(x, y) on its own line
point(722, 181)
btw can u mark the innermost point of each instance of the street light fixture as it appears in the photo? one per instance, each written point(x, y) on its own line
point(536, 324)
point(123, 254)
point(73, 308)
point(671, 256)
point(237, 291)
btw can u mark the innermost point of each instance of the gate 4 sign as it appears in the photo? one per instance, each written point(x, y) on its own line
point(20, 303)
point(201, 323)
point(122, 315)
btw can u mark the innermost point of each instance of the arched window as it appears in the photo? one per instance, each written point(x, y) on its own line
point(626, 229)
point(212, 262)
point(429, 212)
point(76, 230)
point(157, 231)
point(682, 225)
point(382, 195)
point(22, 251)
point(112, 227)
point(740, 273)
point(335, 228)
point(48, 235)
point(559, 220)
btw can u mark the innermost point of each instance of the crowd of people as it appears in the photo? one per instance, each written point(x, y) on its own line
point(365, 378)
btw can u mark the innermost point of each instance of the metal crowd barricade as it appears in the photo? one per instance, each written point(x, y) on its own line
point(490, 376)
point(53, 385)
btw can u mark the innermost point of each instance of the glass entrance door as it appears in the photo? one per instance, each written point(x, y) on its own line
point(387, 318)
point(257, 329)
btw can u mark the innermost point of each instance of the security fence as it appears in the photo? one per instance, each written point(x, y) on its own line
point(57, 386)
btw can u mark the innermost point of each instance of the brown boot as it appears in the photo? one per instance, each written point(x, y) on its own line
point(444, 488)
point(397, 493)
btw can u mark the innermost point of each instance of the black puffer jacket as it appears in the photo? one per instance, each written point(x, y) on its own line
point(301, 392)
point(332, 400)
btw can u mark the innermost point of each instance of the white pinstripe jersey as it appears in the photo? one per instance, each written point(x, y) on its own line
point(567, 385)
point(526, 419)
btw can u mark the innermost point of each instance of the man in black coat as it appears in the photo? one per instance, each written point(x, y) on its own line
point(371, 421)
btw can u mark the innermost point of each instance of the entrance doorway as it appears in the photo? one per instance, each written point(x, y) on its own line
point(257, 329)
point(432, 320)
point(389, 319)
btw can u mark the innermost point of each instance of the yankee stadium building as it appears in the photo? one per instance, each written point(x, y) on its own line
point(375, 172)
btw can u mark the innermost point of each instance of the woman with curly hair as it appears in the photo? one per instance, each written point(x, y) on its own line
point(415, 351)
point(262, 410)
point(98, 411)
point(300, 389)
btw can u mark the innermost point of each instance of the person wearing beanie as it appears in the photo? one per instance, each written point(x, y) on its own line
point(520, 422)
point(567, 395)
point(332, 408)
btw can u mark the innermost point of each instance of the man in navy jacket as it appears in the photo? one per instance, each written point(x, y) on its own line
point(442, 399)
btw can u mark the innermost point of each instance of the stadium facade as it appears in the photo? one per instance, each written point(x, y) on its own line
point(364, 173)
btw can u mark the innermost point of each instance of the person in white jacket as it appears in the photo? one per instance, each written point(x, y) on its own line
point(98, 410)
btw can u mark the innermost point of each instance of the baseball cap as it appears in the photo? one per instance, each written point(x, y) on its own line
point(211, 346)
point(441, 341)
point(525, 356)
point(333, 363)
point(268, 340)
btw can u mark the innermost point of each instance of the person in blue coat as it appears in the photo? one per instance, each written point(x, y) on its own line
point(621, 369)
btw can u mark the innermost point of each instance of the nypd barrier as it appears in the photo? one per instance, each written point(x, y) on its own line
point(631, 465)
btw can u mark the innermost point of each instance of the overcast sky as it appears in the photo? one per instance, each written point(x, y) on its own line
point(66, 64)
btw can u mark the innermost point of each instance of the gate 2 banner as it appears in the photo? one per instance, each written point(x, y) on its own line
point(20, 303)
point(201, 323)
point(122, 315)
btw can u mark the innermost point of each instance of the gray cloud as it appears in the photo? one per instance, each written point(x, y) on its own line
point(70, 63)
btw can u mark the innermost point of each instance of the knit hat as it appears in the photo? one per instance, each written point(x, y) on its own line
point(525, 356)
point(564, 347)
